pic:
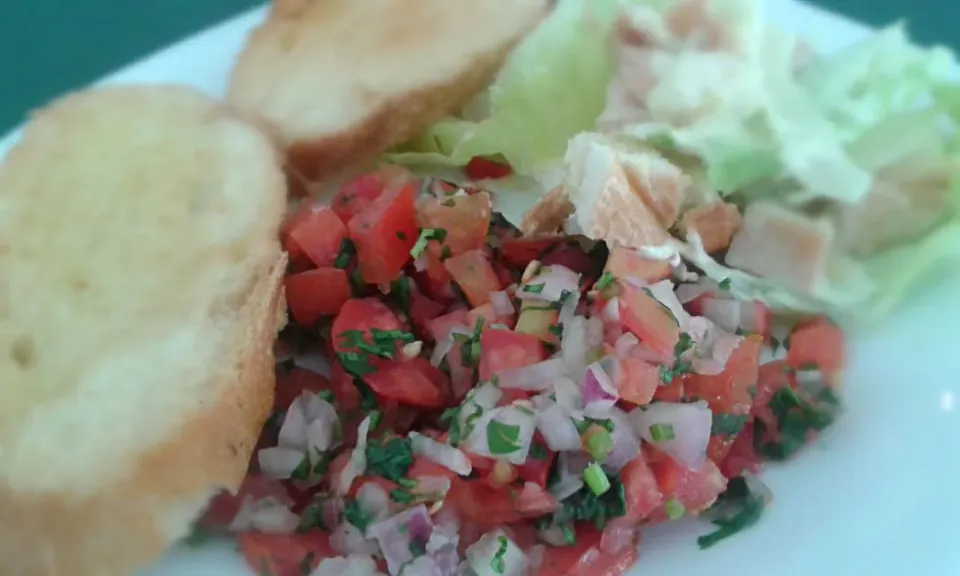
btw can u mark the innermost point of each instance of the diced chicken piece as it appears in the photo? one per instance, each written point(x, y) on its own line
point(905, 201)
point(714, 223)
point(548, 214)
point(622, 196)
point(781, 245)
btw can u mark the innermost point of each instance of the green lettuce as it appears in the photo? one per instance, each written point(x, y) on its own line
point(552, 87)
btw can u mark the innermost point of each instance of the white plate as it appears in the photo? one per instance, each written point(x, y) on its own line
point(880, 494)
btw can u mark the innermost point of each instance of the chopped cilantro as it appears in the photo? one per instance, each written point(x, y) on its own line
point(734, 511)
point(797, 418)
point(306, 565)
point(449, 202)
point(357, 283)
point(402, 496)
point(724, 284)
point(445, 253)
point(457, 435)
point(728, 424)
point(752, 390)
point(302, 471)
point(390, 458)
point(538, 451)
point(400, 290)
point(368, 400)
point(418, 547)
point(199, 537)
point(401, 235)
point(534, 288)
point(605, 280)
point(684, 343)
point(497, 564)
point(667, 374)
point(355, 363)
point(584, 505)
point(312, 515)
point(355, 515)
point(774, 343)
point(503, 438)
point(346, 254)
point(426, 235)
point(786, 343)
point(556, 329)
point(323, 463)
point(662, 432)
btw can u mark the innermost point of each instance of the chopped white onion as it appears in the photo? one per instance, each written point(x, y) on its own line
point(727, 314)
point(626, 445)
point(663, 292)
point(348, 539)
point(691, 291)
point(501, 303)
point(534, 377)
point(556, 426)
point(688, 424)
point(568, 396)
point(279, 463)
point(512, 415)
point(569, 308)
point(480, 556)
point(580, 336)
point(268, 515)
point(713, 346)
point(441, 453)
point(374, 501)
point(535, 556)
point(446, 342)
point(421, 263)
point(310, 425)
point(570, 467)
point(357, 464)
point(396, 533)
point(550, 284)
point(611, 310)
point(354, 565)
point(313, 361)
point(553, 535)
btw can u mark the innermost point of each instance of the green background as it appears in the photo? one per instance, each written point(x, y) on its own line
point(48, 46)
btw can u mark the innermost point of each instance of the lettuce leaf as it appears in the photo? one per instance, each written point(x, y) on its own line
point(552, 87)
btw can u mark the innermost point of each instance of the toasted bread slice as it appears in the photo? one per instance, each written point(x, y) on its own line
point(344, 80)
point(139, 285)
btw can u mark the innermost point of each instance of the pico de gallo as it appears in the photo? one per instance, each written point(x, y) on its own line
point(456, 398)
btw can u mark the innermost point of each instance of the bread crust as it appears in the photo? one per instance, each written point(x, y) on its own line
point(130, 520)
point(285, 72)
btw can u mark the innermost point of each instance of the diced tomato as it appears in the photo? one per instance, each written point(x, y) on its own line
point(344, 390)
point(571, 255)
point(538, 319)
point(741, 457)
point(537, 470)
point(318, 234)
point(479, 168)
point(285, 554)
point(647, 319)
point(461, 376)
point(423, 310)
point(481, 504)
point(637, 380)
point(384, 234)
point(771, 377)
point(413, 382)
point(759, 318)
point(489, 315)
point(519, 252)
point(719, 446)
point(818, 343)
point(672, 392)
point(426, 468)
point(465, 219)
point(585, 558)
point(729, 391)
point(440, 327)
point(434, 280)
point(642, 493)
point(505, 349)
point(358, 194)
point(506, 275)
point(626, 262)
point(314, 294)
point(362, 314)
point(474, 275)
point(533, 500)
point(695, 489)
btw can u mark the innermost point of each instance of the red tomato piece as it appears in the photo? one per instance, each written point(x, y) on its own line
point(626, 262)
point(285, 554)
point(434, 280)
point(729, 391)
point(585, 557)
point(384, 234)
point(477, 502)
point(413, 382)
point(647, 319)
point(672, 392)
point(637, 380)
point(519, 252)
point(819, 343)
point(362, 314)
point(314, 294)
point(423, 310)
point(440, 327)
point(318, 235)
point(479, 168)
point(474, 275)
point(640, 489)
point(537, 470)
point(362, 191)
point(345, 392)
point(465, 219)
point(771, 377)
point(223, 508)
point(426, 468)
point(505, 349)
point(741, 457)
point(571, 255)
point(695, 489)
point(719, 447)
point(489, 315)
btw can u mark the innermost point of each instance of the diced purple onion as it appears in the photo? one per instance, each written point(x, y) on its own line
point(597, 388)
point(397, 532)
point(691, 424)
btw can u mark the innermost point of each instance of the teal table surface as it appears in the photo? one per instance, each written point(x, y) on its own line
point(49, 46)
